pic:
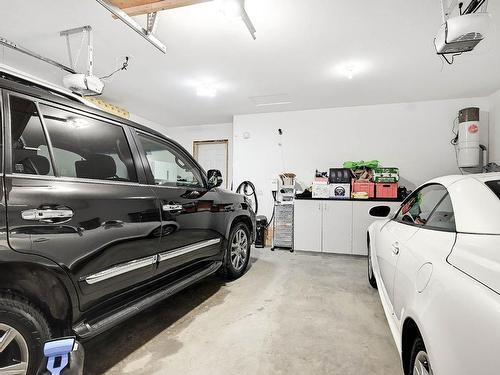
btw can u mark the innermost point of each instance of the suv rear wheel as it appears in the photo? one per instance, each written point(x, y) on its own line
point(23, 331)
point(237, 252)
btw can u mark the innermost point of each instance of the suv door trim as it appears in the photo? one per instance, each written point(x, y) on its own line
point(120, 269)
point(186, 249)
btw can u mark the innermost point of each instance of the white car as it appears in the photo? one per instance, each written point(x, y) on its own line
point(436, 263)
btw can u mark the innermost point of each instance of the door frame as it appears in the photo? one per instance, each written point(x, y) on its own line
point(225, 142)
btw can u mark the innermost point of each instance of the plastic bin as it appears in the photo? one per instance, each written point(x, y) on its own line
point(386, 174)
point(386, 190)
point(366, 187)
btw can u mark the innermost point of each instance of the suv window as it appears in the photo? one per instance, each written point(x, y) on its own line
point(168, 166)
point(30, 154)
point(495, 186)
point(418, 208)
point(443, 216)
point(85, 147)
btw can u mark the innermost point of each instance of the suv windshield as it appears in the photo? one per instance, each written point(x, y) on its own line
point(495, 186)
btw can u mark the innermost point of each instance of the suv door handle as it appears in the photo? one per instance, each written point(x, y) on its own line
point(172, 207)
point(47, 214)
point(395, 248)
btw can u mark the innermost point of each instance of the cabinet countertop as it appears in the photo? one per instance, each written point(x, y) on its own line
point(350, 200)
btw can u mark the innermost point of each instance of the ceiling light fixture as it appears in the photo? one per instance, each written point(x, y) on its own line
point(271, 104)
point(236, 9)
point(351, 69)
point(207, 90)
point(270, 100)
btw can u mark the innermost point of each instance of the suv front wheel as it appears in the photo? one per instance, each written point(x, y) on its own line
point(237, 252)
point(23, 331)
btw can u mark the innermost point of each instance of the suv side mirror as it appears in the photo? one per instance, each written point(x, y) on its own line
point(380, 211)
point(214, 178)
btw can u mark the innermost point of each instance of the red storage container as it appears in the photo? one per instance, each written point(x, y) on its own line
point(367, 187)
point(386, 190)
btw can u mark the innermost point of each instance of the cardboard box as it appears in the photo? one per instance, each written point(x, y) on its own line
point(320, 190)
point(340, 191)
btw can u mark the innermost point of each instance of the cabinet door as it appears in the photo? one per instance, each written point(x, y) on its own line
point(361, 220)
point(337, 227)
point(307, 225)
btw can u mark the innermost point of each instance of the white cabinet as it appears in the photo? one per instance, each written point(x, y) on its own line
point(337, 227)
point(361, 220)
point(334, 226)
point(307, 225)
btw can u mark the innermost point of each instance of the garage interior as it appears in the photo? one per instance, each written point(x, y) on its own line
point(284, 97)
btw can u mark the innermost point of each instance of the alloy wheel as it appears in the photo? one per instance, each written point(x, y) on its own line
point(239, 249)
point(422, 365)
point(14, 353)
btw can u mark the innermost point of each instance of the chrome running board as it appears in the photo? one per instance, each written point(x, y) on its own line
point(88, 329)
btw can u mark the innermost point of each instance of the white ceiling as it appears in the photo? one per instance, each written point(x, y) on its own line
point(299, 45)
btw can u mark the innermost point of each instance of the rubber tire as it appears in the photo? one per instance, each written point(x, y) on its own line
point(371, 275)
point(30, 323)
point(227, 270)
point(418, 345)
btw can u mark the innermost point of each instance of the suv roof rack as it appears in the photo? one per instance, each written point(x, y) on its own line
point(14, 74)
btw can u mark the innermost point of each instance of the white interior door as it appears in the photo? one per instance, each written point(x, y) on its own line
point(212, 155)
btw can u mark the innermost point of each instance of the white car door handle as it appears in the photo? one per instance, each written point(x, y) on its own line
point(395, 248)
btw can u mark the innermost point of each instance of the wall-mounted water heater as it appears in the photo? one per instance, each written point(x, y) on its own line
point(468, 148)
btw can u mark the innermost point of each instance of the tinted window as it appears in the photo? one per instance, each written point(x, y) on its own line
point(168, 166)
point(84, 147)
point(29, 147)
point(443, 216)
point(495, 186)
point(417, 209)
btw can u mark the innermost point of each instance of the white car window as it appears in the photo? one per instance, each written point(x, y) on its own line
point(169, 167)
point(495, 186)
point(443, 216)
point(418, 208)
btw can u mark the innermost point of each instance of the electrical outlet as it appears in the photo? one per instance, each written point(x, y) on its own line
point(274, 184)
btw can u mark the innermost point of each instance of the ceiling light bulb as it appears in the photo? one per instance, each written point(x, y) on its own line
point(351, 69)
point(350, 72)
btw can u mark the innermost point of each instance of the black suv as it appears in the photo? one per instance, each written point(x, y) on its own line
point(100, 219)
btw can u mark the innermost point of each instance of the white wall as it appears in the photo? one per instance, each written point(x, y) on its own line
point(186, 135)
point(495, 127)
point(412, 136)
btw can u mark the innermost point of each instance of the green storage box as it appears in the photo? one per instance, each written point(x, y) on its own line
point(386, 174)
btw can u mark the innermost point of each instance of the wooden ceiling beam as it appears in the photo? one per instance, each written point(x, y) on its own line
point(138, 7)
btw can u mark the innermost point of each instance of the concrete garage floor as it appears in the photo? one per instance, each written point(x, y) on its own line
point(297, 313)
